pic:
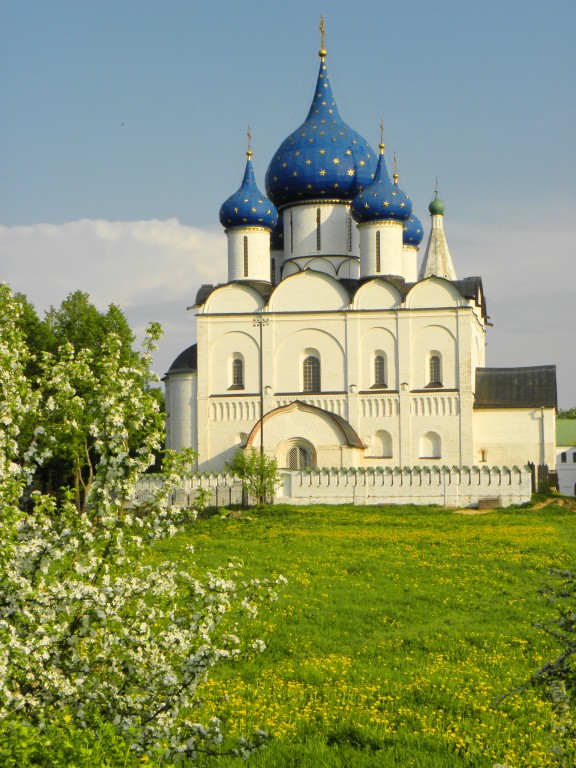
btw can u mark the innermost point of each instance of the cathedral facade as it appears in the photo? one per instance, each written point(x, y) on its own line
point(331, 344)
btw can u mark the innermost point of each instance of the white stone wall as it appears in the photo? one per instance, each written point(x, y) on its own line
point(451, 487)
point(516, 436)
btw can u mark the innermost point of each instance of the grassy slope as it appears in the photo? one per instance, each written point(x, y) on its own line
point(398, 630)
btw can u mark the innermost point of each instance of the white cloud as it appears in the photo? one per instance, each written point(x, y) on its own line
point(153, 270)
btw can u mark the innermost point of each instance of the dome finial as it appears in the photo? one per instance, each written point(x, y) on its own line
point(249, 150)
point(322, 52)
point(395, 174)
point(381, 145)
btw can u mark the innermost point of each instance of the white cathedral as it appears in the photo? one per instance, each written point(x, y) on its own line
point(329, 345)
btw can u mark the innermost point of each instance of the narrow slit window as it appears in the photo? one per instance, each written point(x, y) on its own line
point(349, 233)
point(291, 234)
point(377, 251)
point(245, 256)
point(273, 271)
point(318, 233)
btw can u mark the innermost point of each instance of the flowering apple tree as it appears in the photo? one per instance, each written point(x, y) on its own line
point(88, 626)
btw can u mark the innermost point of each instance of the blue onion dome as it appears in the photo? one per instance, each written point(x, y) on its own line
point(248, 207)
point(382, 200)
point(413, 231)
point(323, 159)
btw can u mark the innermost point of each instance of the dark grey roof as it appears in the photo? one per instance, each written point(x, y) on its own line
point(186, 362)
point(516, 387)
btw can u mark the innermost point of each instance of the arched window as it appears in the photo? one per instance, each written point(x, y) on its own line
point(318, 234)
point(297, 453)
point(377, 251)
point(563, 458)
point(245, 256)
point(380, 371)
point(434, 370)
point(311, 374)
point(237, 372)
point(298, 458)
point(430, 446)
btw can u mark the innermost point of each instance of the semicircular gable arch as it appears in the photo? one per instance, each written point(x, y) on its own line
point(222, 351)
point(290, 354)
point(377, 294)
point(233, 298)
point(434, 292)
point(309, 291)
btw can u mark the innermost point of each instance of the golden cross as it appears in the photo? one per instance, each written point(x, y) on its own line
point(249, 134)
point(381, 130)
point(322, 31)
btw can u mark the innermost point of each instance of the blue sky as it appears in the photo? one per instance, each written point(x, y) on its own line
point(124, 128)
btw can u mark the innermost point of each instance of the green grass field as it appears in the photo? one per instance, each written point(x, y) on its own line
point(399, 630)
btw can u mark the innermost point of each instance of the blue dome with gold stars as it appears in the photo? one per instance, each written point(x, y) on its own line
point(382, 200)
point(323, 159)
point(248, 207)
point(413, 231)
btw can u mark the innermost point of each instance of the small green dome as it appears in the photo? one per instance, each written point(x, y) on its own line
point(436, 207)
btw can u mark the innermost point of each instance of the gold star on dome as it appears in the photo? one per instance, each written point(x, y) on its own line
point(268, 212)
point(322, 151)
point(297, 153)
point(348, 151)
point(275, 178)
point(322, 172)
point(350, 171)
point(336, 185)
point(310, 141)
point(309, 186)
point(366, 205)
point(235, 210)
point(323, 103)
point(253, 210)
point(303, 133)
point(330, 111)
point(322, 133)
point(325, 85)
point(308, 162)
point(323, 121)
point(294, 173)
point(284, 165)
point(402, 205)
point(367, 155)
point(245, 199)
point(362, 162)
point(385, 203)
point(260, 201)
point(336, 160)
